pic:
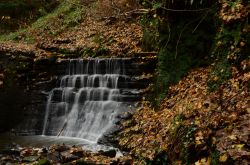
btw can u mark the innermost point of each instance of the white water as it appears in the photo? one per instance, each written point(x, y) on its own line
point(84, 105)
point(46, 141)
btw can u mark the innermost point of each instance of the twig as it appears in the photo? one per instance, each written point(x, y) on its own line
point(180, 10)
point(139, 11)
point(169, 36)
point(177, 44)
point(64, 126)
point(114, 6)
point(200, 21)
point(185, 10)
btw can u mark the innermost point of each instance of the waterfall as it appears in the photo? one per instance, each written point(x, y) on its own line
point(87, 100)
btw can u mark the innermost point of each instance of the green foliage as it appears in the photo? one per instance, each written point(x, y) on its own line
point(97, 38)
point(74, 17)
point(215, 157)
point(99, 51)
point(227, 51)
point(183, 46)
point(182, 141)
point(187, 144)
point(43, 162)
point(14, 5)
point(150, 32)
point(9, 80)
point(16, 14)
point(83, 162)
point(183, 40)
point(66, 15)
point(220, 72)
point(161, 158)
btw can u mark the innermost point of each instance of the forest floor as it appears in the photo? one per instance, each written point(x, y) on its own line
point(192, 124)
point(99, 31)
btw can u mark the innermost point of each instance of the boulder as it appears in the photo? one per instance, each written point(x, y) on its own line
point(110, 153)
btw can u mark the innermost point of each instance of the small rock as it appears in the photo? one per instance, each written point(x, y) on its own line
point(30, 158)
point(6, 158)
point(42, 151)
point(59, 148)
point(67, 157)
point(43, 162)
point(109, 153)
point(26, 152)
point(125, 116)
point(77, 151)
point(54, 156)
point(87, 162)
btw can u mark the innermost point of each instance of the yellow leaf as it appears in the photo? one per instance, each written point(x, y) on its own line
point(199, 105)
point(198, 142)
point(216, 78)
point(198, 163)
point(223, 158)
point(232, 137)
point(203, 161)
point(197, 122)
point(240, 146)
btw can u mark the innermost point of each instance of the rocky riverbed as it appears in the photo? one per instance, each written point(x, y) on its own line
point(60, 154)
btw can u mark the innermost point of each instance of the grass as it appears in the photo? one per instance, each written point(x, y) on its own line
point(67, 15)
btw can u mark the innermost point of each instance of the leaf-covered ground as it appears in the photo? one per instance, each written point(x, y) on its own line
point(194, 125)
point(90, 29)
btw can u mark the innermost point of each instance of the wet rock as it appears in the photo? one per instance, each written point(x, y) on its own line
point(27, 152)
point(30, 158)
point(62, 41)
point(125, 116)
point(67, 156)
point(59, 148)
point(85, 162)
point(54, 156)
point(109, 137)
point(109, 153)
point(42, 151)
point(10, 151)
point(6, 158)
point(43, 162)
point(77, 152)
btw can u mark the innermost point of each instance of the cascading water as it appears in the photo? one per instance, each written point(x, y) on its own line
point(86, 102)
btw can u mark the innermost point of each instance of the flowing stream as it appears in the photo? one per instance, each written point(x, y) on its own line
point(88, 99)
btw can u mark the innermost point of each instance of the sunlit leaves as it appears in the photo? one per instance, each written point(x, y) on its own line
point(190, 116)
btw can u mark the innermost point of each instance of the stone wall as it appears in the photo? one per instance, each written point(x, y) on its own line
point(23, 101)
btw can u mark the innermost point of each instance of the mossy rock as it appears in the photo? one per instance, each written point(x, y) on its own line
point(43, 162)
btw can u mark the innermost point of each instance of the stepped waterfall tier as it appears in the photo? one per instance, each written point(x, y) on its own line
point(88, 99)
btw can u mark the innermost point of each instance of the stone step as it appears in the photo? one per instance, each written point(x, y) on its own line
point(122, 81)
point(132, 66)
point(1, 79)
point(97, 95)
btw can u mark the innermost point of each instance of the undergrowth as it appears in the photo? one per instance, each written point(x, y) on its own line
point(67, 15)
point(183, 44)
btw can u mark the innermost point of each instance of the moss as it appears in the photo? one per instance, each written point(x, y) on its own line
point(101, 51)
point(220, 73)
point(150, 38)
point(83, 162)
point(230, 47)
point(215, 157)
point(43, 162)
point(184, 43)
point(68, 14)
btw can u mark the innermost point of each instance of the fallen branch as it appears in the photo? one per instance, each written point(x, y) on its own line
point(60, 132)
